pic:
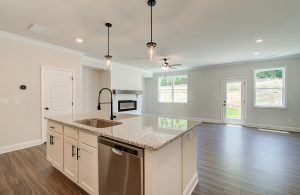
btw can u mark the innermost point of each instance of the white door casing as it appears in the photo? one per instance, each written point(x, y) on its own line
point(57, 94)
point(240, 95)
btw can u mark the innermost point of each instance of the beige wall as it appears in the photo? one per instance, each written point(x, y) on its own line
point(21, 64)
point(93, 81)
point(204, 94)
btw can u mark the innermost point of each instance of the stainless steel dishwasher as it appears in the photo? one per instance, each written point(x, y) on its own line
point(121, 168)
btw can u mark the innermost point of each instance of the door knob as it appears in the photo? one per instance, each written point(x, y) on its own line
point(46, 108)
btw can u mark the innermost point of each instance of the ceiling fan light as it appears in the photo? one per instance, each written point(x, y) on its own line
point(165, 68)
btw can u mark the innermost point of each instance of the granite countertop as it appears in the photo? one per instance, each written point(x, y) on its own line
point(148, 132)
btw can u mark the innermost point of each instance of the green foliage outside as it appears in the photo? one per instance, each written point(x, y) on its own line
point(178, 80)
point(166, 81)
point(234, 113)
point(269, 74)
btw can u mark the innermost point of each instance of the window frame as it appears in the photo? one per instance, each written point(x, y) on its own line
point(284, 87)
point(173, 102)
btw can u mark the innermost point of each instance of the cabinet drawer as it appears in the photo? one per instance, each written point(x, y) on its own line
point(58, 128)
point(88, 139)
point(71, 132)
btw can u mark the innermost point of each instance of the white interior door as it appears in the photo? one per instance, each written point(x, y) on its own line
point(234, 102)
point(57, 95)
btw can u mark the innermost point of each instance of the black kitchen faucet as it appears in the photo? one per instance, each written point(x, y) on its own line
point(111, 103)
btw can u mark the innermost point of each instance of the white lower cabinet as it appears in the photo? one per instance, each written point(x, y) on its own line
point(75, 154)
point(59, 155)
point(70, 159)
point(50, 147)
point(88, 168)
point(54, 149)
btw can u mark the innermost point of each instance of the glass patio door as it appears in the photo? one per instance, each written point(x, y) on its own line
point(234, 101)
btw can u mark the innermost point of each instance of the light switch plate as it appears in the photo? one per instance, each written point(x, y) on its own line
point(16, 101)
point(4, 101)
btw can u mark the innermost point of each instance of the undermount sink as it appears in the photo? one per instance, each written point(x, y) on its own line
point(98, 123)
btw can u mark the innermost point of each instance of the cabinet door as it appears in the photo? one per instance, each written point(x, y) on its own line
point(50, 147)
point(70, 159)
point(58, 151)
point(88, 168)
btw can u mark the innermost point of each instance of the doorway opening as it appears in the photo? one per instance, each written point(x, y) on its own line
point(233, 101)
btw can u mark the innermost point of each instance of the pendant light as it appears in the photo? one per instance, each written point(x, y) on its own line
point(151, 45)
point(108, 57)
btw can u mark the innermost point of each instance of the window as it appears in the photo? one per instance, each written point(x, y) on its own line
point(173, 89)
point(270, 88)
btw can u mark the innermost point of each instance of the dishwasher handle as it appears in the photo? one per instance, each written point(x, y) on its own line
point(118, 152)
point(120, 148)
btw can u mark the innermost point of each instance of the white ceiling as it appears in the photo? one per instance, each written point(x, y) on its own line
point(191, 32)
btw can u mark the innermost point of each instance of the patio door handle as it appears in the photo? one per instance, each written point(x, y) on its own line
point(224, 104)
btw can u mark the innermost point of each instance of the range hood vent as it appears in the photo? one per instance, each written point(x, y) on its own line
point(134, 92)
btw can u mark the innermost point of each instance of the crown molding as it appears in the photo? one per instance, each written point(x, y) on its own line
point(40, 43)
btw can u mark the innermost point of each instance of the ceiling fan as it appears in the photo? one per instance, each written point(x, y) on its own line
point(165, 66)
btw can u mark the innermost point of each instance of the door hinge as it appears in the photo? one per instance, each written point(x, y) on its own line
point(72, 103)
point(72, 78)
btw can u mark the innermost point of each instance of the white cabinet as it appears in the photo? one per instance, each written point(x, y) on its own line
point(70, 159)
point(55, 149)
point(50, 147)
point(58, 151)
point(75, 154)
point(88, 168)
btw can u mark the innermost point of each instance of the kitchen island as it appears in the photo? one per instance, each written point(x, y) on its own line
point(168, 147)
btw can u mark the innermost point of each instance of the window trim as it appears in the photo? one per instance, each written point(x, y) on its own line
point(172, 102)
point(284, 95)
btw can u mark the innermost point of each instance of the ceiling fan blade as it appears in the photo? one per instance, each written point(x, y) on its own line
point(172, 68)
point(175, 64)
point(156, 66)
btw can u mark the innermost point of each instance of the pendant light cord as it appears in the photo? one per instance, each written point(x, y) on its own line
point(108, 41)
point(151, 23)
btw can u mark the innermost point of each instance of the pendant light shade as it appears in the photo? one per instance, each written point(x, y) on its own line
point(151, 45)
point(108, 57)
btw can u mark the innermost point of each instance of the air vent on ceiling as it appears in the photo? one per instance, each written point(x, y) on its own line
point(37, 28)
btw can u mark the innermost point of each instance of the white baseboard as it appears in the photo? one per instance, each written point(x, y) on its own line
point(191, 185)
point(20, 146)
point(207, 120)
point(274, 127)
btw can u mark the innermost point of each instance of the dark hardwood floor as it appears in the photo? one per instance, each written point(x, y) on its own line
point(244, 161)
point(231, 160)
